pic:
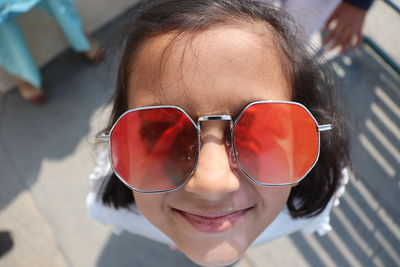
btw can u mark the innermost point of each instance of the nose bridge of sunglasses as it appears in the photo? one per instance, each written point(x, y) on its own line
point(213, 118)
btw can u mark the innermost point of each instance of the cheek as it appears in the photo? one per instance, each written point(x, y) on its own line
point(151, 206)
point(274, 198)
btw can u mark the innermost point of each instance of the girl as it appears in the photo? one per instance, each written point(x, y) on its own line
point(218, 121)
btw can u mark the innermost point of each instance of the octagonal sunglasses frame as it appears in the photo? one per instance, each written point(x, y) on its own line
point(103, 137)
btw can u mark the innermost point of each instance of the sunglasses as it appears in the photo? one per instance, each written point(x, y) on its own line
point(156, 149)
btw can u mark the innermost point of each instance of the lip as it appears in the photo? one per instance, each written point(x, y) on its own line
point(213, 222)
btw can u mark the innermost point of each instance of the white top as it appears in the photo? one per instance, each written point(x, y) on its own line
point(131, 219)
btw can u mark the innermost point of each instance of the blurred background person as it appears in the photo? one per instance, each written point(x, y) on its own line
point(341, 20)
point(14, 53)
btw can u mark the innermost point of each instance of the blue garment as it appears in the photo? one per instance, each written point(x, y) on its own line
point(14, 53)
point(363, 4)
point(11, 8)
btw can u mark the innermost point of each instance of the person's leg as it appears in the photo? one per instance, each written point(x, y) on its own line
point(16, 60)
point(66, 15)
point(64, 12)
point(14, 54)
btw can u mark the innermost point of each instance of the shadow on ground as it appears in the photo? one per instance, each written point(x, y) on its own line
point(366, 223)
point(31, 135)
point(132, 250)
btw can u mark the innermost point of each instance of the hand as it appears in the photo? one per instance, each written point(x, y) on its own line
point(347, 31)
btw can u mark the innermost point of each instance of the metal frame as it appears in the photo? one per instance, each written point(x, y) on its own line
point(103, 137)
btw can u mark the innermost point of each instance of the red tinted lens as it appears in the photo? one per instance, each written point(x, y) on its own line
point(277, 143)
point(154, 149)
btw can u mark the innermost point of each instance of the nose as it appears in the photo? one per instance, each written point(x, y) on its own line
point(215, 175)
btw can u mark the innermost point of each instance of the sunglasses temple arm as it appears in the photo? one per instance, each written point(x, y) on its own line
point(102, 137)
point(324, 127)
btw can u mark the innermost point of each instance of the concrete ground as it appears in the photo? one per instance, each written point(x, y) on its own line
point(47, 152)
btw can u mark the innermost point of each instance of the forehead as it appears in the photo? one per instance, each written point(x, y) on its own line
point(217, 71)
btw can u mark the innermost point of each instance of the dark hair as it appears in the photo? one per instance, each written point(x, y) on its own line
point(310, 84)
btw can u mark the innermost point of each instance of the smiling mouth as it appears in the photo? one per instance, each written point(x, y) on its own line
point(213, 224)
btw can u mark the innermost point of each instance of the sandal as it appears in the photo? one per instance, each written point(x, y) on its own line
point(96, 54)
point(30, 93)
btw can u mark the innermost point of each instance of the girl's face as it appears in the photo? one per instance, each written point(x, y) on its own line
point(219, 212)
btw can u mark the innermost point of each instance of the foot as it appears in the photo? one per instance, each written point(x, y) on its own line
point(30, 93)
point(96, 53)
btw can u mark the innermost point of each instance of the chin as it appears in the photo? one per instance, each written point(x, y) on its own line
point(220, 255)
point(214, 261)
